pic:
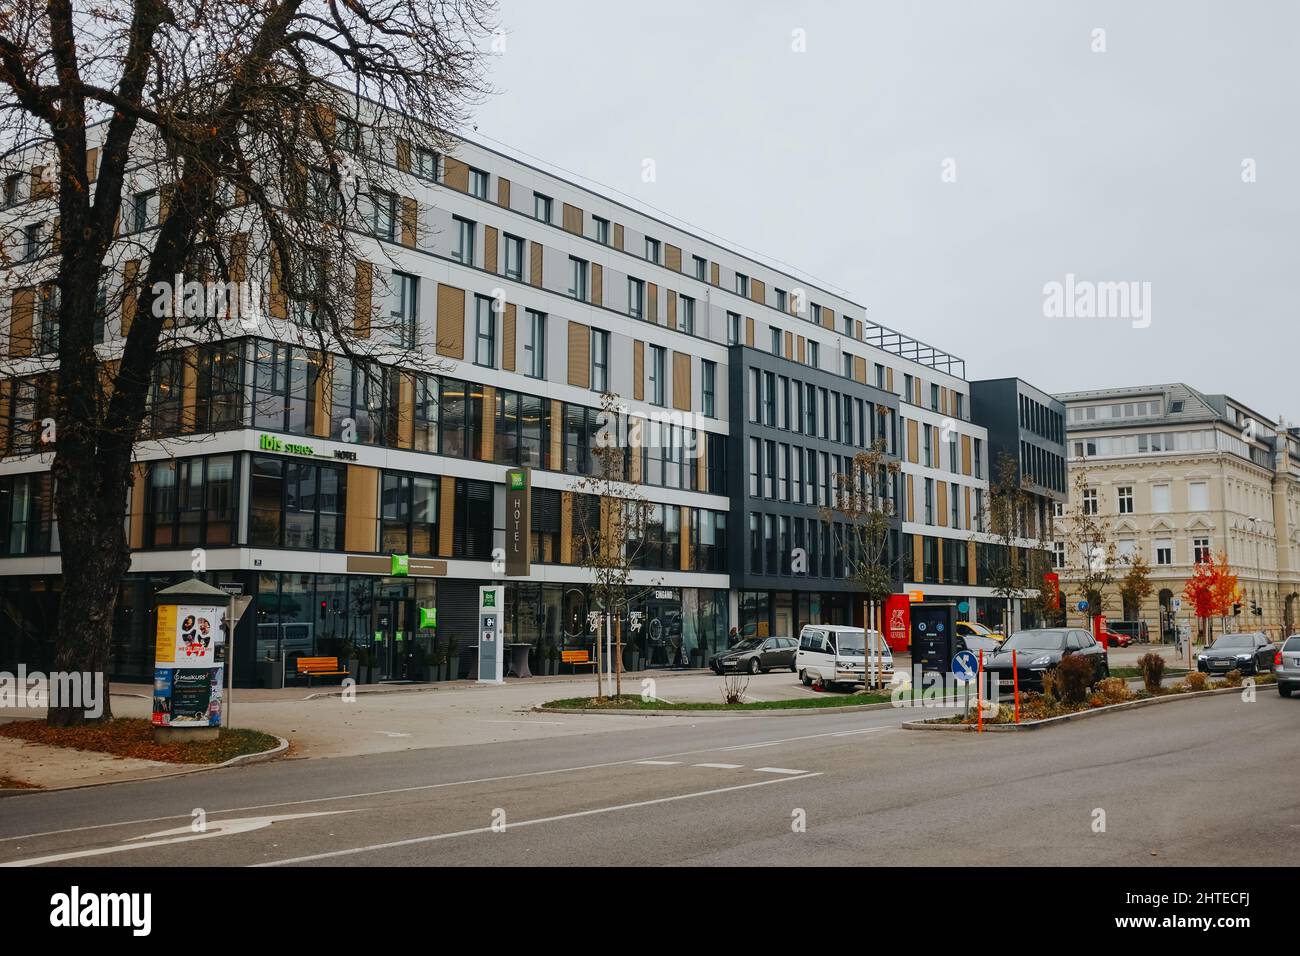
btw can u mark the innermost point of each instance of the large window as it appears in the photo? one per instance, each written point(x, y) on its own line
point(472, 533)
point(409, 514)
point(165, 395)
point(297, 504)
point(522, 430)
point(462, 419)
point(284, 387)
point(220, 390)
point(361, 403)
point(27, 524)
point(428, 392)
point(191, 501)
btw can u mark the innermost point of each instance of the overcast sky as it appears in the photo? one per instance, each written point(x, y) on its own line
point(1122, 165)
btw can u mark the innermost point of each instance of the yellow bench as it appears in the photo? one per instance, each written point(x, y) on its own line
point(577, 658)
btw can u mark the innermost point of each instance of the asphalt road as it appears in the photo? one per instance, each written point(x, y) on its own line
point(1192, 782)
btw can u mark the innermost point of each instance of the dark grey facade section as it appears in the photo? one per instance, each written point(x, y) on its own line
point(1029, 425)
point(847, 417)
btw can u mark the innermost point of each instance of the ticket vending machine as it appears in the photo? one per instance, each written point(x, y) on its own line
point(491, 630)
point(932, 635)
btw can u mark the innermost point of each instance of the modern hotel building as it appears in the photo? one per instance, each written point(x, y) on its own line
point(295, 474)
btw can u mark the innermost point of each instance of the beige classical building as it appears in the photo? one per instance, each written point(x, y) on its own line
point(1180, 474)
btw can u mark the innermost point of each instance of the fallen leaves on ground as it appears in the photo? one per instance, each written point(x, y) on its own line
point(133, 737)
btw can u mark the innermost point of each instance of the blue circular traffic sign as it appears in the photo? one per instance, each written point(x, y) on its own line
point(965, 666)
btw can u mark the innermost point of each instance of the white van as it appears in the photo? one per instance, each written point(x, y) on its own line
point(837, 654)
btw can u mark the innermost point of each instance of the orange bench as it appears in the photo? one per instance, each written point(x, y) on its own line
point(320, 667)
point(577, 658)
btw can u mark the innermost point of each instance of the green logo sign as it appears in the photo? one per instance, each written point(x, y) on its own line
point(401, 566)
point(489, 598)
point(516, 481)
point(271, 443)
point(428, 617)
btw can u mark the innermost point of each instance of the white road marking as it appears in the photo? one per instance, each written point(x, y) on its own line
point(433, 838)
point(784, 770)
point(179, 835)
point(553, 723)
point(421, 787)
point(391, 733)
point(719, 766)
point(659, 763)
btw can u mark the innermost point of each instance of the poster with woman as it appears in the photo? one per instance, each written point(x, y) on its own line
point(188, 667)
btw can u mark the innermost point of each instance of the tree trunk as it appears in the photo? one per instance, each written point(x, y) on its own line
point(95, 558)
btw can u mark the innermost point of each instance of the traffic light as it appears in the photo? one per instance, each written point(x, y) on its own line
point(1236, 609)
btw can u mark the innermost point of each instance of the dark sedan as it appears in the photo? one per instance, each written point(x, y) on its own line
point(756, 655)
point(1250, 653)
point(1042, 649)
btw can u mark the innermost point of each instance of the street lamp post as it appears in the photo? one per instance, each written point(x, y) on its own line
point(1259, 568)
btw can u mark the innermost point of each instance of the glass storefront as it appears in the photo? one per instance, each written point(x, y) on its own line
point(376, 621)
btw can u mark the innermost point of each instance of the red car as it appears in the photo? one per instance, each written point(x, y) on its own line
point(1115, 639)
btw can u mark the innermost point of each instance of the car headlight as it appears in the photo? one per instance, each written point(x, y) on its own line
point(1040, 661)
point(1243, 657)
point(1201, 657)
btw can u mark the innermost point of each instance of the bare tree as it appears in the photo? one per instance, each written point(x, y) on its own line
point(610, 520)
point(864, 503)
point(1091, 553)
point(1007, 567)
point(265, 130)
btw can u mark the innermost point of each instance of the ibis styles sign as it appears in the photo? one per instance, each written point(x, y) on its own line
point(271, 443)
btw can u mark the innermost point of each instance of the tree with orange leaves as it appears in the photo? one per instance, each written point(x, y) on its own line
point(1211, 590)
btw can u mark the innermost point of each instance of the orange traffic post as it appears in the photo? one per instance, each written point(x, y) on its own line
point(979, 696)
point(1015, 683)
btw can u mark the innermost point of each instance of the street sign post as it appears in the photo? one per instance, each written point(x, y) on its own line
point(965, 666)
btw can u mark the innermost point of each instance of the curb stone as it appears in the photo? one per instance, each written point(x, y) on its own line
point(1065, 718)
point(261, 757)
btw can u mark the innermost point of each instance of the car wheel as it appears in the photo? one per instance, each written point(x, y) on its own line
point(753, 665)
point(1284, 690)
point(807, 681)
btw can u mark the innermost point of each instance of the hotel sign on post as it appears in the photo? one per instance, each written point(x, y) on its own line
point(519, 525)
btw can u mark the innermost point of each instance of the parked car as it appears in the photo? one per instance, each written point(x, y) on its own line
point(1115, 638)
point(1136, 630)
point(1250, 652)
point(975, 642)
point(1039, 650)
point(1286, 666)
point(756, 655)
point(835, 654)
point(963, 628)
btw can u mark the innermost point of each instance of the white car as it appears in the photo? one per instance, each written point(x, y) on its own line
point(834, 654)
